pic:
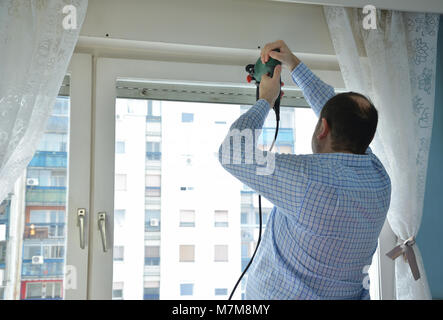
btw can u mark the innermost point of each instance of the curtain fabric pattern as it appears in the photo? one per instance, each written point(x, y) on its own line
point(395, 65)
point(35, 50)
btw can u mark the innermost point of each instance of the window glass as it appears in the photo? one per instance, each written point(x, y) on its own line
point(187, 117)
point(221, 291)
point(187, 289)
point(120, 147)
point(221, 253)
point(187, 253)
point(120, 182)
point(187, 218)
point(221, 218)
point(197, 217)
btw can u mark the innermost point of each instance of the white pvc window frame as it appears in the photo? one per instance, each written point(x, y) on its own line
point(108, 72)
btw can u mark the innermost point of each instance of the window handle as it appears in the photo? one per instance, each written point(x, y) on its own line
point(81, 213)
point(102, 228)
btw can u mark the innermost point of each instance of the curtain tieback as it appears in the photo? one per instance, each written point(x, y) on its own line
point(405, 249)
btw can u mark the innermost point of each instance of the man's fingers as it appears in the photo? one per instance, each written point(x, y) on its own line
point(277, 72)
point(276, 55)
point(269, 47)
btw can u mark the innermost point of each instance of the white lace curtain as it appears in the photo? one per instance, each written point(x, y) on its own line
point(35, 50)
point(395, 65)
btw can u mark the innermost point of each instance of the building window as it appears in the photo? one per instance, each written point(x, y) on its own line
point(119, 252)
point(151, 290)
point(186, 289)
point(221, 218)
point(187, 117)
point(244, 218)
point(221, 253)
point(221, 291)
point(153, 151)
point(43, 290)
point(119, 217)
point(152, 220)
point(153, 185)
point(120, 147)
point(120, 182)
point(152, 255)
point(187, 253)
point(187, 218)
point(117, 291)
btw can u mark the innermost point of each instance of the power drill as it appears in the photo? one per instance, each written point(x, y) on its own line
point(257, 70)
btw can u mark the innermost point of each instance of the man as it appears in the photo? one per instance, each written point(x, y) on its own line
point(330, 206)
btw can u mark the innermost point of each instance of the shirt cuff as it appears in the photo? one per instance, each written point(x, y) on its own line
point(302, 75)
point(263, 107)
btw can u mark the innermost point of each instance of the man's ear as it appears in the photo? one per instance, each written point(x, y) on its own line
point(323, 130)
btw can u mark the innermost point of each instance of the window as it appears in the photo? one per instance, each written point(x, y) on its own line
point(152, 255)
point(187, 218)
point(117, 290)
point(153, 185)
point(187, 117)
point(244, 218)
point(191, 181)
point(43, 289)
point(187, 253)
point(151, 290)
point(119, 217)
point(120, 182)
point(120, 147)
point(221, 218)
point(153, 151)
point(186, 289)
point(119, 252)
point(221, 253)
point(221, 291)
point(152, 220)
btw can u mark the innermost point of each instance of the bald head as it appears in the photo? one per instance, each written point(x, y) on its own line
point(352, 120)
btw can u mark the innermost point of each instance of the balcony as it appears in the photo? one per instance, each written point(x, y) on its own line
point(151, 271)
point(49, 159)
point(49, 269)
point(152, 261)
point(153, 155)
point(152, 235)
point(46, 195)
point(150, 118)
point(44, 231)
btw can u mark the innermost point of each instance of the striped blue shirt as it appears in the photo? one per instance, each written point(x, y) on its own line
point(328, 212)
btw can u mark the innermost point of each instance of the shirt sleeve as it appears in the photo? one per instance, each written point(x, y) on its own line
point(280, 178)
point(315, 91)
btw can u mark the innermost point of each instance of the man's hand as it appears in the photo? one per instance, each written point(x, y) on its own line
point(285, 55)
point(270, 87)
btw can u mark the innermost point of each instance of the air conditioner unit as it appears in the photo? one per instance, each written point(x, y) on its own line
point(32, 182)
point(154, 222)
point(37, 260)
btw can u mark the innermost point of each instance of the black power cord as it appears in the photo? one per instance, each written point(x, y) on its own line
point(277, 118)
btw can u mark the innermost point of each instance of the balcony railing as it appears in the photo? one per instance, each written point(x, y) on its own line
point(51, 159)
point(50, 268)
point(52, 195)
